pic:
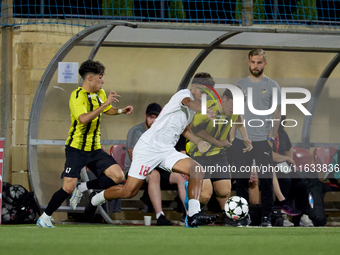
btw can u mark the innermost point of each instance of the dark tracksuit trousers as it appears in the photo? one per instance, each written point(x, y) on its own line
point(262, 153)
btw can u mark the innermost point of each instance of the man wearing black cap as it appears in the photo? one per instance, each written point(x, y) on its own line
point(159, 178)
point(152, 111)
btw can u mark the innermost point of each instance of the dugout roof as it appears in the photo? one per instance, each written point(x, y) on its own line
point(185, 36)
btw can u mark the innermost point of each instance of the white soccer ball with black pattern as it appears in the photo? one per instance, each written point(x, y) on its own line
point(16, 192)
point(236, 208)
point(8, 213)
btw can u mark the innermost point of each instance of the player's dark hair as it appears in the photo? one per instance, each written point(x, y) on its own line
point(90, 66)
point(229, 95)
point(204, 79)
point(258, 52)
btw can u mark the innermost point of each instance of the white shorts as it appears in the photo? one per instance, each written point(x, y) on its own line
point(145, 158)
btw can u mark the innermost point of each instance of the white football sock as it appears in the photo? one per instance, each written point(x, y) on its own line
point(98, 199)
point(194, 207)
point(44, 215)
point(159, 214)
point(82, 187)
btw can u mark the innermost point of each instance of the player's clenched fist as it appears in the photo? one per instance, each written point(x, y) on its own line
point(127, 110)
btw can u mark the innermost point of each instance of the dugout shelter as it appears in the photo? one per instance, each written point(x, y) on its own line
point(148, 62)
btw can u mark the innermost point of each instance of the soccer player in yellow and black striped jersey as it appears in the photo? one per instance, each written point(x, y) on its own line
point(83, 148)
point(85, 136)
point(214, 159)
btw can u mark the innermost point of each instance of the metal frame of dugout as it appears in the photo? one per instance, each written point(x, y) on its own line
point(206, 38)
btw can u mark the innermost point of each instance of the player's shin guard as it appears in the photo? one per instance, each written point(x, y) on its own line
point(57, 199)
point(103, 182)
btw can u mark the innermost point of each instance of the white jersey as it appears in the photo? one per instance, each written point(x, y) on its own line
point(170, 123)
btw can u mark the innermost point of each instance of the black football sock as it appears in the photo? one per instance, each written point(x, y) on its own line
point(103, 182)
point(57, 199)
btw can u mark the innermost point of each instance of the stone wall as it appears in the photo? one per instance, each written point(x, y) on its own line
point(33, 48)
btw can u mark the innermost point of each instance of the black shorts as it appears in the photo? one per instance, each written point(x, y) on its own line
point(261, 152)
point(97, 161)
point(215, 167)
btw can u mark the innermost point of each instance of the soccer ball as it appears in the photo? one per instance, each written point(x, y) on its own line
point(8, 213)
point(6, 194)
point(236, 208)
point(16, 192)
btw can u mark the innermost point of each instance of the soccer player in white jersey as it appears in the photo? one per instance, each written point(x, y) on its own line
point(156, 148)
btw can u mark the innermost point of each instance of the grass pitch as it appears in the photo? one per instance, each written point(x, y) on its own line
point(108, 239)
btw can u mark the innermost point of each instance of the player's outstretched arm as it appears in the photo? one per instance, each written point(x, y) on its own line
point(89, 116)
point(244, 134)
point(191, 104)
point(195, 106)
point(114, 111)
point(218, 143)
point(202, 146)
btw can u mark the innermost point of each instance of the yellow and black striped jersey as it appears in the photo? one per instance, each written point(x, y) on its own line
point(85, 137)
point(219, 132)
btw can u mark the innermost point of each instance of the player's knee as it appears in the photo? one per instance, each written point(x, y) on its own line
point(154, 177)
point(69, 188)
point(69, 185)
point(223, 193)
point(116, 176)
point(120, 177)
point(178, 179)
point(115, 173)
